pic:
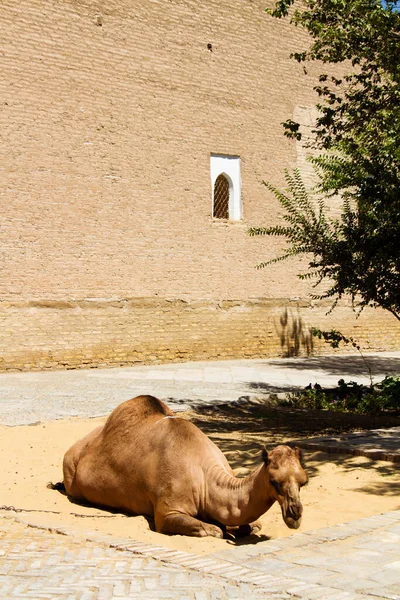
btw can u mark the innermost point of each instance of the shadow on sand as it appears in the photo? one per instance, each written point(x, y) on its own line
point(241, 432)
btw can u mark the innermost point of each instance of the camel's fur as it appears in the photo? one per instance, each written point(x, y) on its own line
point(145, 463)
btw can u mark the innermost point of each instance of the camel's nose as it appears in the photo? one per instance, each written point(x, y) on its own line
point(295, 510)
point(292, 514)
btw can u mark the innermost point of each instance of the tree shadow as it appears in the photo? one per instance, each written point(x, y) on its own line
point(267, 388)
point(242, 431)
point(350, 462)
point(343, 365)
point(295, 338)
point(276, 423)
point(388, 488)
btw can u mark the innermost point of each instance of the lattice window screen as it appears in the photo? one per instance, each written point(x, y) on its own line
point(221, 198)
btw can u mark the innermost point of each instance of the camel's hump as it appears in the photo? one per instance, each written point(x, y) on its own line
point(138, 409)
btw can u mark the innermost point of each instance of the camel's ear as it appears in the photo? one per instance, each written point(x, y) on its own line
point(299, 453)
point(264, 455)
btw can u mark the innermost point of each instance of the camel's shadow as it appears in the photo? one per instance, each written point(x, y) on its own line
point(236, 540)
point(59, 487)
point(251, 540)
point(107, 509)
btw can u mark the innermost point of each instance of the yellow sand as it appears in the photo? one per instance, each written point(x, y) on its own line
point(341, 488)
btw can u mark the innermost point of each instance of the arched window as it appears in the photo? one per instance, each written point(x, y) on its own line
point(221, 198)
point(225, 187)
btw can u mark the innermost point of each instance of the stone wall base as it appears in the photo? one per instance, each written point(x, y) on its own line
point(114, 332)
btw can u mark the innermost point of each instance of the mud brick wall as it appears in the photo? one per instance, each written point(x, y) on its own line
point(93, 333)
point(109, 112)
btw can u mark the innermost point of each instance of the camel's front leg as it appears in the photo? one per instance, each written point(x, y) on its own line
point(245, 530)
point(182, 524)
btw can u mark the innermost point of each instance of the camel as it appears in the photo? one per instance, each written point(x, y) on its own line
point(147, 461)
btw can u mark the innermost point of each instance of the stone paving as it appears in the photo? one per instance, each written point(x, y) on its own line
point(354, 561)
point(30, 397)
point(360, 559)
point(41, 564)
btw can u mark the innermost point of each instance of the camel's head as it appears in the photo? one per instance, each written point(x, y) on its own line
point(286, 475)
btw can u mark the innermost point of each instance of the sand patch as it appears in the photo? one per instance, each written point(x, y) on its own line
point(341, 488)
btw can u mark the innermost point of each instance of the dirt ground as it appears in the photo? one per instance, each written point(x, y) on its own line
point(341, 487)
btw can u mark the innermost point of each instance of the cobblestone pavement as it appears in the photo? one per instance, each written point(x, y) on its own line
point(355, 561)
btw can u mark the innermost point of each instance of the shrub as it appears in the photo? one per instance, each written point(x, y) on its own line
point(350, 397)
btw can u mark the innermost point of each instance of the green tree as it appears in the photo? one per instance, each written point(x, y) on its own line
point(357, 135)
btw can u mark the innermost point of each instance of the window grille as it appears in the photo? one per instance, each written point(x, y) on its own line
point(221, 198)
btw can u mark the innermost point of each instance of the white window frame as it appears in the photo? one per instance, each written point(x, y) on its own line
point(229, 166)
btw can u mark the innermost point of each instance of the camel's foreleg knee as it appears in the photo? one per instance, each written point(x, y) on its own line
point(181, 524)
point(245, 530)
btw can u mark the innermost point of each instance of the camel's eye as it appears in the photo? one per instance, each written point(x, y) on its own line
point(276, 486)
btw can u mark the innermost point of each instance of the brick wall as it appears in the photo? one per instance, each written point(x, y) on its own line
point(93, 333)
point(108, 114)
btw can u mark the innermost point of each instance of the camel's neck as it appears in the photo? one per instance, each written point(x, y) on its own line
point(237, 501)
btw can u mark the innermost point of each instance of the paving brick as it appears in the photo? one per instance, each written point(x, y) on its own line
point(98, 572)
point(38, 563)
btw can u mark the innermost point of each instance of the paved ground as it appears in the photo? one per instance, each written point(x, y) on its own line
point(355, 561)
point(39, 396)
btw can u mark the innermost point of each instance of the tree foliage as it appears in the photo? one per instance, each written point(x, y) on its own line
point(357, 135)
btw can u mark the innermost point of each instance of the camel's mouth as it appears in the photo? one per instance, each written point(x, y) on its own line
point(292, 523)
point(292, 515)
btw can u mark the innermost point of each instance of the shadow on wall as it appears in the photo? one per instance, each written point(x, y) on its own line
point(294, 336)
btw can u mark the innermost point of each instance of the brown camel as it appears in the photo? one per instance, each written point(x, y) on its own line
point(145, 460)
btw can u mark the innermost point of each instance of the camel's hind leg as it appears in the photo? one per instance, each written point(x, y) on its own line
point(69, 471)
point(182, 524)
point(71, 461)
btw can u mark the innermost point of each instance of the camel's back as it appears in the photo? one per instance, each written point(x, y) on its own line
point(145, 426)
